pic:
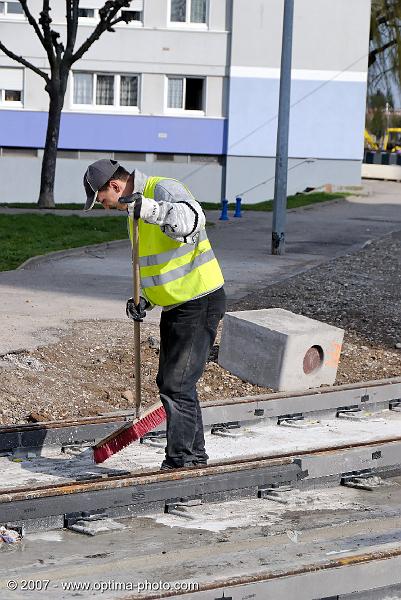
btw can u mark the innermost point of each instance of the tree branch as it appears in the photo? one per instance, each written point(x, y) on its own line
point(374, 53)
point(72, 28)
point(32, 21)
point(24, 62)
point(58, 46)
point(45, 21)
point(123, 19)
point(106, 14)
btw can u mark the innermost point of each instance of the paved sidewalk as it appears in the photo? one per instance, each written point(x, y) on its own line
point(38, 301)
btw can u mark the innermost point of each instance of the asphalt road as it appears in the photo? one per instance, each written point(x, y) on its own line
point(38, 301)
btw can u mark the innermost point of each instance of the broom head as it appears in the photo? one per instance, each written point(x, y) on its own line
point(129, 433)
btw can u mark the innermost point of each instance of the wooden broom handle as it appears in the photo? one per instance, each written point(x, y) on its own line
point(137, 324)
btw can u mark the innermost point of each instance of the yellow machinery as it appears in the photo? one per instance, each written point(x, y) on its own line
point(370, 143)
point(392, 140)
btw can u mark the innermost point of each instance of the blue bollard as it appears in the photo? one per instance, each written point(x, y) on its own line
point(238, 201)
point(224, 211)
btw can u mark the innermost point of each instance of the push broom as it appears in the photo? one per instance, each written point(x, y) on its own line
point(145, 420)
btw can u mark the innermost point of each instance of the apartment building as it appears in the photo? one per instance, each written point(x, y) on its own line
point(189, 89)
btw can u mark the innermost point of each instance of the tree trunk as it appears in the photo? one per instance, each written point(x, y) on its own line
point(48, 174)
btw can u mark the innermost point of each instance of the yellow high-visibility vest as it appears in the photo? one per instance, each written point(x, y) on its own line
point(171, 271)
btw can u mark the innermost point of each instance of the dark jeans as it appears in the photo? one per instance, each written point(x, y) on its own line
point(187, 334)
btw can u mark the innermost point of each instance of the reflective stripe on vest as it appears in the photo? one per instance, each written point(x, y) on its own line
point(158, 259)
point(171, 271)
point(164, 278)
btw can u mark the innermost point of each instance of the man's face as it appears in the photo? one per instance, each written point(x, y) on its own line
point(109, 197)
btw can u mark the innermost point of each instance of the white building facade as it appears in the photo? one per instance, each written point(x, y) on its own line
point(189, 89)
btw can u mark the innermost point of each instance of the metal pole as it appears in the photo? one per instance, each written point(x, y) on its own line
point(387, 111)
point(280, 184)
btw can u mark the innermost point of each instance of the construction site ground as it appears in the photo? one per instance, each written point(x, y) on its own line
point(56, 362)
point(232, 539)
point(66, 350)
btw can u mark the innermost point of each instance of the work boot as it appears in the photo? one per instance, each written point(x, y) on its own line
point(167, 467)
point(200, 463)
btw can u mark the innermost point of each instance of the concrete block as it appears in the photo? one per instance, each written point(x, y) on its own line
point(278, 349)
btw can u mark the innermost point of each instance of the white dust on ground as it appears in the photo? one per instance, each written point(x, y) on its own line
point(248, 512)
point(261, 440)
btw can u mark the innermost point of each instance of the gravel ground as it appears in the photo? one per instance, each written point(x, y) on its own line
point(89, 370)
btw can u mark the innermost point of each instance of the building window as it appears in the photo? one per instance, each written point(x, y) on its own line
point(128, 90)
point(95, 89)
point(204, 158)
point(185, 93)
point(83, 88)
point(132, 15)
point(105, 90)
point(133, 156)
point(72, 154)
point(11, 86)
point(188, 11)
point(27, 152)
point(10, 8)
point(87, 13)
point(165, 157)
point(175, 92)
point(11, 95)
point(177, 158)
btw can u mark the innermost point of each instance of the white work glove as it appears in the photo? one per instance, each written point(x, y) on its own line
point(141, 208)
point(149, 210)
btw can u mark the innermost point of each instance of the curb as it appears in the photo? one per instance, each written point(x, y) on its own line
point(59, 254)
point(318, 204)
point(209, 213)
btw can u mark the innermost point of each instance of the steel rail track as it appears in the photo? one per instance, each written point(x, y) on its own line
point(308, 581)
point(150, 476)
point(153, 491)
point(249, 409)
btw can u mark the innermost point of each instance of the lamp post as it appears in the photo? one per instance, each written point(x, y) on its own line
point(281, 173)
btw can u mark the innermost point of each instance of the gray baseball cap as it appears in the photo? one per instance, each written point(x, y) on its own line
point(97, 174)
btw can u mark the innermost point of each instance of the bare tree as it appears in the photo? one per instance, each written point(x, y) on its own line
point(61, 56)
point(385, 44)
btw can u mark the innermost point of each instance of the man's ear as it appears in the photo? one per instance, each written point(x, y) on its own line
point(114, 186)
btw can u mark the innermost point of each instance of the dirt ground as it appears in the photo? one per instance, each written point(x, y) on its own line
point(88, 371)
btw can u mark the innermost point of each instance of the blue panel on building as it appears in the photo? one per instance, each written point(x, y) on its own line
point(25, 129)
point(116, 132)
point(326, 118)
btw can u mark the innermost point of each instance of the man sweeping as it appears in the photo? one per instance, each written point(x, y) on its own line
point(180, 273)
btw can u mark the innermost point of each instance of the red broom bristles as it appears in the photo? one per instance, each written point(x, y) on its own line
point(128, 434)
